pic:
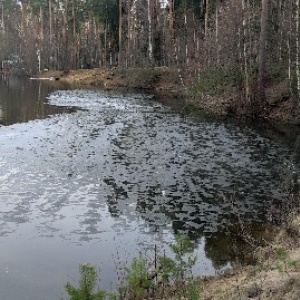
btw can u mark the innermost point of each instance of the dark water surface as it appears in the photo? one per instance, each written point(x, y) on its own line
point(97, 176)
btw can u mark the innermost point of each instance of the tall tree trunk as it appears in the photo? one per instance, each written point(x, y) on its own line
point(289, 38)
point(88, 24)
point(41, 23)
point(171, 15)
point(171, 47)
point(186, 36)
point(75, 53)
point(40, 38)
point(281, 5)
point(245, 9)
point(22, 32)
point(106, 42)
point(99, 55)
point(217, 29)
point(65, 36)
point(2, 18)
point(50, 35)
point(262, 52)
point(120, 56)
point(73, 20)
point(297, 48)
point(58, 49)
point(207, 13)
point(150, 32)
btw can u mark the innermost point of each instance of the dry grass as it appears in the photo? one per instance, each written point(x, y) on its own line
point(275, 275)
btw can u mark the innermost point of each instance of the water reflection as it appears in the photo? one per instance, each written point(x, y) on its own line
point(126, 172)
point(23, 100)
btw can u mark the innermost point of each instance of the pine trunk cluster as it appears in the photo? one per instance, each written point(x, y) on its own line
point(248, 39)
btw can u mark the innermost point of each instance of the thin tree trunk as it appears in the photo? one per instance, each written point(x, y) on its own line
point(40, 39)
point(245, 39)
point(88, 39)
point(217, 30)
point(129, 34)
point(99, 45)
point(171, 38)
point(120, 56)
point(65, 35)
point(262, 52)
point(186, 36)
point(22, 31)
point(73, 20)
point(150, 33)
point(281, 20)
point(297, 49)
point(206, 21)
point(171, 15)
point(2, 18)
point(41, 23)
point(289, 36)
point(50, 35)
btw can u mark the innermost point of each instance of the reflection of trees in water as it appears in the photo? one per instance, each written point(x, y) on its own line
point(229, 228)
point(23, 99)
point(204, 179)
point(236, 243)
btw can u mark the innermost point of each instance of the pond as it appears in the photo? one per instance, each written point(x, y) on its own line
point(99, 176)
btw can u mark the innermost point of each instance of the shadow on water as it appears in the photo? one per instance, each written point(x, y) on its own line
point(125, 172)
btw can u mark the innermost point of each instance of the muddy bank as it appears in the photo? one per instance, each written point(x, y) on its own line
point(279, 107)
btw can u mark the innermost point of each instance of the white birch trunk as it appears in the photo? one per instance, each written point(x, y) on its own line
point(2, 18)
point(186, 35)
point(150, 40)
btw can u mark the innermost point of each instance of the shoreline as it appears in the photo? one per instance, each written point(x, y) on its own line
point(279, 109)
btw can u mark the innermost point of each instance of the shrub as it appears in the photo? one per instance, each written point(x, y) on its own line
point(88, 277)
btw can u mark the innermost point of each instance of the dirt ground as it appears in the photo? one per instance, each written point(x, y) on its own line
point(276, 273)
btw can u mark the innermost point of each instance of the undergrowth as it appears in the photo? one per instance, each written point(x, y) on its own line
point(212, 81)
point(165, 278)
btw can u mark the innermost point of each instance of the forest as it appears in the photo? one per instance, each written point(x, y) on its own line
point(243, 43)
